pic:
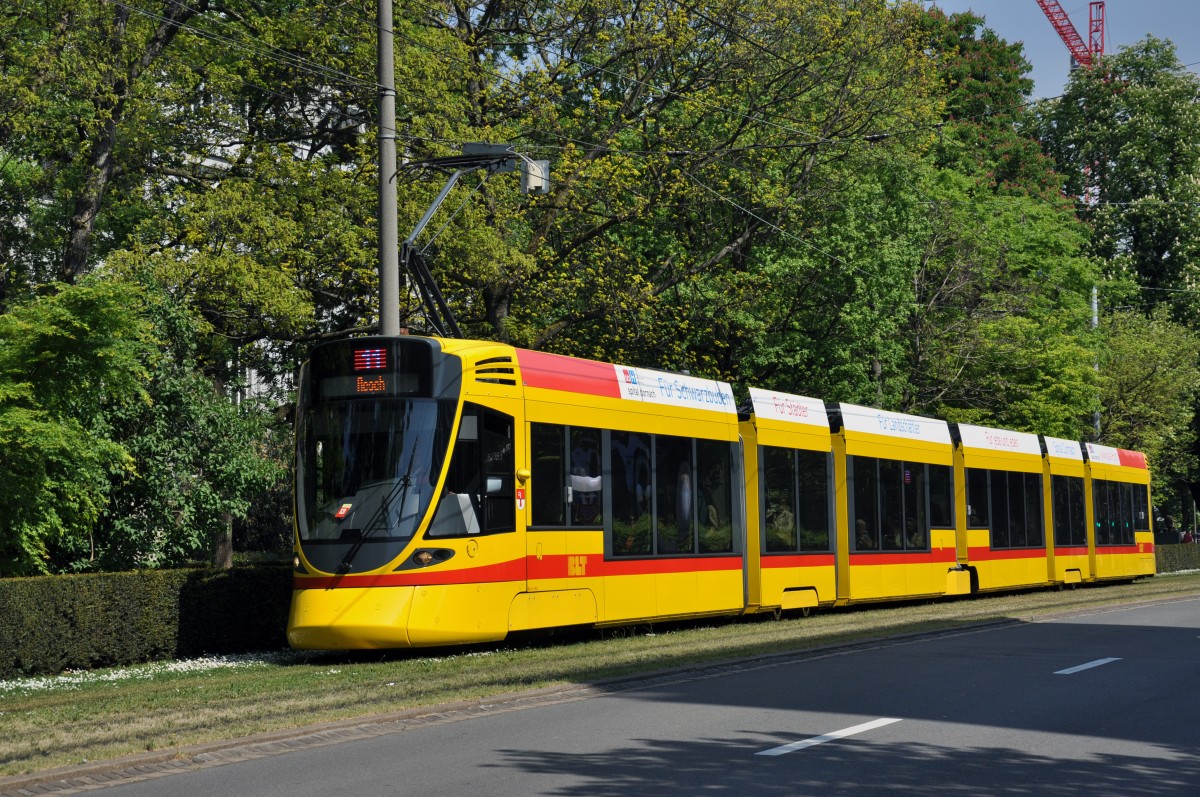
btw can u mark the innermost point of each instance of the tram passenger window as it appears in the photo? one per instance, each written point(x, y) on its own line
point(632, 493)
point(813, 472)
point(1108, 513)
point(796, 496)
point(585, 495)
point(1001, 532)
point(941, 497)
point(779, 499)
point(978, 514)
point(714, 498)
point(866, 508)
point(1115, 512)
point(1017, 525)
point(1100, 511)
point(548, 486)
point(1127, 514)
point(891, 504)
point(567, 487)
point(675, 507)
point(1141, 508)
point(916, 527)
point(1016, 510)
point(1034, 533)
point(1070, 523)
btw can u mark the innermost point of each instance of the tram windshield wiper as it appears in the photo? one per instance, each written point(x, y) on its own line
point(381, 517)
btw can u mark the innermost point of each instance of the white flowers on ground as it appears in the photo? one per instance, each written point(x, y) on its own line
point(74, 679)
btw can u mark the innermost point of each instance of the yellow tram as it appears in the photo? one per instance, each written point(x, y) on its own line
point(454, 491)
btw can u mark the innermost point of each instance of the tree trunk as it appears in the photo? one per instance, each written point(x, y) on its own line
point(223, 544)
point(110, 106)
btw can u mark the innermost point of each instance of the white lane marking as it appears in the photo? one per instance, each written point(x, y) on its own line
point(829, 737)
point(1088, 666)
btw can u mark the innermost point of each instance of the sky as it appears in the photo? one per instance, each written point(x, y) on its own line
point(1127, 21)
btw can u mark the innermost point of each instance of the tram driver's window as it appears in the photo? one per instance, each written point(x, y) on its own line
point(479, 495)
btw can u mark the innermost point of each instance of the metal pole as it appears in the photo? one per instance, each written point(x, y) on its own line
point(1096, 323)
point(389, 256)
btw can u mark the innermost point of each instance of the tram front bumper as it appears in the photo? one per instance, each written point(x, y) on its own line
point(350, 618)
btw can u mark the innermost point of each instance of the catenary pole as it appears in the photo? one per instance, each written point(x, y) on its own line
point(389, 257)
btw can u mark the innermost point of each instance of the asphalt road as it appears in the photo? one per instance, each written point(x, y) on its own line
point(1098, 704)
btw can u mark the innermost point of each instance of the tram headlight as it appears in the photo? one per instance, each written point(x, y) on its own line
point(295, 561)
point(423, 558)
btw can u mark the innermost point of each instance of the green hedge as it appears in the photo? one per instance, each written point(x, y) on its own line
point(55, 623)
point(1180, 556)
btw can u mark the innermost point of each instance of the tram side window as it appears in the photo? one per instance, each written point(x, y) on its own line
point(1115, 513)
point(1100, 512)
point(1016, 508)
point(978, 516)
point(815, 490)
point(1001, 528)
point(1070, 523)
point(479, 493)
point(796, 500)
point(675, 493)
point(941, 497)
point(1127, 514)
point(632, 493)
point(567, 479)
point(547, 444)
point(866, 503)
point(714, 500)
point(891, 504)
point(499, 470)
point(890, 500)
point(586, 495)
point(1141, 508)
point(779, 499)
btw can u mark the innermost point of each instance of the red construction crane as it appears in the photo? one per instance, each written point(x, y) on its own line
point(1082, 54)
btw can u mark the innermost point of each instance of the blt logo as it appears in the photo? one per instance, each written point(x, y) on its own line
point(576, 565)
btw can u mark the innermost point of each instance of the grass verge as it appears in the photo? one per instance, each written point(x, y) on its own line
point(87, 717)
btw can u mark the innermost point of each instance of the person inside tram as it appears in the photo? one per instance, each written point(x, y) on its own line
point(863, 538)
point(913, 535)
point(892, 539)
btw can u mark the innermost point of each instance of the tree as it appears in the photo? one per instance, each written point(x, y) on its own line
point(66, 360)
point(1149, 388)
point(682, 136)
point(1123, 136)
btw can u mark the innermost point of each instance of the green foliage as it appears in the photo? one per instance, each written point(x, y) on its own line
point(201, 459)
point(1124, 138)
point(48, 625)
point(844, 199)
point(1001, 335)
point(66, 360)
point(1150, 385)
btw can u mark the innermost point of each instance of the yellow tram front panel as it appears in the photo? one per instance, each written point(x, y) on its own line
point(1006, 535)
point(891, 467)
point(789, 502)
point(623, 563)
point(1120, 532)
point(1063, 484)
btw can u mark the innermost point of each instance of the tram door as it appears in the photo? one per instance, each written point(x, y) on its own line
point(562, 502)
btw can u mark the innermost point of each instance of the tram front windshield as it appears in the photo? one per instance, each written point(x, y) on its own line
point(367, 469)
